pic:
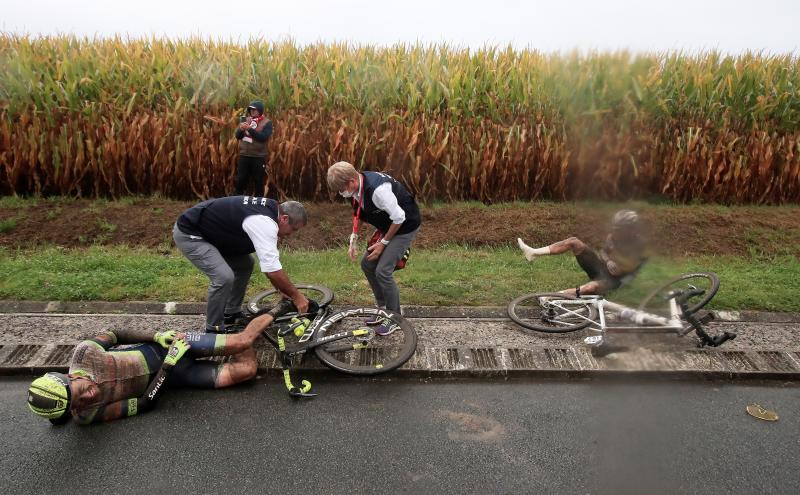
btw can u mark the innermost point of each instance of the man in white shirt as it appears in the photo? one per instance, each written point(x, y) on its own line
point(384, 203)
point(219, 235)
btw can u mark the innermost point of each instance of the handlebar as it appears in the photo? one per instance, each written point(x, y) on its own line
point(682, 298)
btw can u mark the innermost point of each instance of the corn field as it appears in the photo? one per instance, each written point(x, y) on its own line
point(116, 117)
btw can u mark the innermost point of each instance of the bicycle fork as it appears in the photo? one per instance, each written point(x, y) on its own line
point(297, 392)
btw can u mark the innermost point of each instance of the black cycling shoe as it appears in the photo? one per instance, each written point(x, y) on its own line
point(283, 307)
point(233, 318)
point(233, 328)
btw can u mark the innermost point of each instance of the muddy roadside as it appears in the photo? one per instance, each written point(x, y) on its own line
point(673, 230)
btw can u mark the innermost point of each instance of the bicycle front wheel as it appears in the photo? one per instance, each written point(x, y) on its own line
point(264, 301)
point(657, 301)
point(552, 312)
point(369, 353)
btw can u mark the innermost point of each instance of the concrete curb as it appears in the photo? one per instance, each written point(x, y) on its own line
point(773, 359)
point(194, 308)
point(496, 362)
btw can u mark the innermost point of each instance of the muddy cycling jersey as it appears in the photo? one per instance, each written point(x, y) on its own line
point(124, 372)
point(622, 256)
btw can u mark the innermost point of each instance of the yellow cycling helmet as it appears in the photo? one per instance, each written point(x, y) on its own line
point(49, 396)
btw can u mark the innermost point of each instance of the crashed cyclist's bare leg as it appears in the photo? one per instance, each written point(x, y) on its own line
point(573, 244)
point(589, 288)
point(240, 368)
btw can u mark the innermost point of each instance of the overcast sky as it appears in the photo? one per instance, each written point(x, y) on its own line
point(731, 26)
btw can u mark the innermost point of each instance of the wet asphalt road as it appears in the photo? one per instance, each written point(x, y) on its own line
point(414, 437)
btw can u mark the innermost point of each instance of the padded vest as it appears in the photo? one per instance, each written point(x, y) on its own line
point(219, 221)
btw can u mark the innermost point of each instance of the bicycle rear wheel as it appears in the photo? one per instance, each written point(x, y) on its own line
point(264, 301)
point(657, 301)
point(369, 354)
point(552, 312)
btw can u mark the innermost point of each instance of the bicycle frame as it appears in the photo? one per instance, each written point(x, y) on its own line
point(681, 320)
point(286, 353)
point(322, 320)
point(646, 322)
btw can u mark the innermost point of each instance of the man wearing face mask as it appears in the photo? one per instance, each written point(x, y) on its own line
point(219, 235)
point(384, 203)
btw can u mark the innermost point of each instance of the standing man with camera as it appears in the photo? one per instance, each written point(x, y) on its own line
point(253, 133)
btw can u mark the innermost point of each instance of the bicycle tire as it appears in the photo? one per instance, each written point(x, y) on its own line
point(263, 301)
point(710, 284)
point(527, 309)
point(380, 354)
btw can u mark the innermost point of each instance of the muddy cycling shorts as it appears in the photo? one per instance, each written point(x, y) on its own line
point(596, 269)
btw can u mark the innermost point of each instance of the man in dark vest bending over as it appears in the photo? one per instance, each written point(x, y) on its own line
point(219, 235)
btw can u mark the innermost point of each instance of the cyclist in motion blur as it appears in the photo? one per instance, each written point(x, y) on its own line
point(618, 261)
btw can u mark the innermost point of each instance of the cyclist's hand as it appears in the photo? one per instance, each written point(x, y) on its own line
point(301, 303)
point(176, 351)
point(165, 338)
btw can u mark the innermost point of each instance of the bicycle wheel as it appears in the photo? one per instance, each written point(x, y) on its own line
point(552, 312)
point(369, 354)
point(657, 301)
point(264, 301)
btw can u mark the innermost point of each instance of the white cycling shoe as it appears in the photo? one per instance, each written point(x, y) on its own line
point(526, 250)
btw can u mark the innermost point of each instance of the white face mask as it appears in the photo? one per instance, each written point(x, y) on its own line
point(346, 194)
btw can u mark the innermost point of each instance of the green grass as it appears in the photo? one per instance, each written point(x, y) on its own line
point(8, 225)
point(447, 276)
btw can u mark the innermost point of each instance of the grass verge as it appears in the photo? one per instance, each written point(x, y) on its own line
point(448, 276)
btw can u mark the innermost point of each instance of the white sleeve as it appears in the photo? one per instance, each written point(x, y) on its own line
point(384, 198)
point(263, 231)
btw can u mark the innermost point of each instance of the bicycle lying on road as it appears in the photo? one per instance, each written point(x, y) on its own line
point(673, 307)
point(341, 340)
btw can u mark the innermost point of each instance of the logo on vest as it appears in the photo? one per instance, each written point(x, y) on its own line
point(254, 200)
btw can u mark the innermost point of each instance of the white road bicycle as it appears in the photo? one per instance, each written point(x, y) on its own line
point(673, 307)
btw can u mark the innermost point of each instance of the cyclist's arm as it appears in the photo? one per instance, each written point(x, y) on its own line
point(137, 405)
point(111, 338)
point(127, 407)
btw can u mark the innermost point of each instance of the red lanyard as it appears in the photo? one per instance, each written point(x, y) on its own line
point(357, 214)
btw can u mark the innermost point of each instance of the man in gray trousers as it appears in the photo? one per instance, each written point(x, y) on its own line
point(219, 235)
point(384, 203)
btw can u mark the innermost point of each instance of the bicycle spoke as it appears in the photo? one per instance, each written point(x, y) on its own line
point(552, 312)
point(369, 352)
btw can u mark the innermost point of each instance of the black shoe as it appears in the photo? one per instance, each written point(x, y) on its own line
point(283, 307)
point(223, 329)
point(233, 318)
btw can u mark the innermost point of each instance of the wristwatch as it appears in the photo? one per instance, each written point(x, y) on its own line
point(385, 242)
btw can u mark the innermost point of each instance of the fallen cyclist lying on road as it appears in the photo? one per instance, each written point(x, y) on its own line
point(110, 379)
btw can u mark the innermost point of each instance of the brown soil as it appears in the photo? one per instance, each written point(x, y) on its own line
point(674, 230)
